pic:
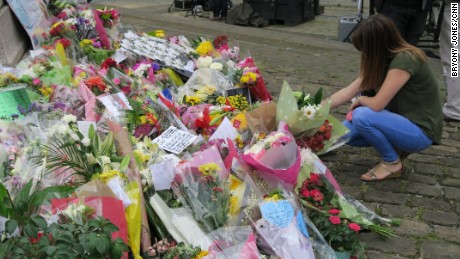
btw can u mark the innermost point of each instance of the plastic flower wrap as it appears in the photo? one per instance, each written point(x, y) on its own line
point(309, 119)
point(204, 82)
point(317, 190)
point(280, 227)
point(233, 242)
point(275, 154)
point(249, 76)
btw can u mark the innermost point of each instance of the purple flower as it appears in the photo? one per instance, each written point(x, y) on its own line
point(156, 66)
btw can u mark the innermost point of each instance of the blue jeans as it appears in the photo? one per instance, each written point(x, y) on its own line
point(385, 131)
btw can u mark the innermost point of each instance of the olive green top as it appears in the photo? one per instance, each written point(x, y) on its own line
point(419, 99)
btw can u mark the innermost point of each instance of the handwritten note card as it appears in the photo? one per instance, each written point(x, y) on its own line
point(174, 140)
point(279, 213)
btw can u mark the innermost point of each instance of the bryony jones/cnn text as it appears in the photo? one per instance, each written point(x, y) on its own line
point(454, 39)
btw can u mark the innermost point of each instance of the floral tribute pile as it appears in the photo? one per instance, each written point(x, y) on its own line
point(149, 145)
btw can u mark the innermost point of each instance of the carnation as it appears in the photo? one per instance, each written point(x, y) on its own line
point(68, 118)
point(85, 142)
point(355, 227)
point(334, 211)
point(217, 66)
point(334, 220)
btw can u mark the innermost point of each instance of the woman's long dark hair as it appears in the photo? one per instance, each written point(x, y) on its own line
point(378, 40)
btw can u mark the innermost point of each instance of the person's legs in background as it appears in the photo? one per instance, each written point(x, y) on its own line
point(451, 109)
point(387, 132)
point(416, 25)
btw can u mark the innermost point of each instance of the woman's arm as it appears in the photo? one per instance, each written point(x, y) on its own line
point(345, 94)
point(394, 81)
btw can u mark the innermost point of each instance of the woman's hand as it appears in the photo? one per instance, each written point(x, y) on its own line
point(355, 104)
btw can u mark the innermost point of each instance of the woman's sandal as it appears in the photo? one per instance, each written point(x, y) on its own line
point(384, 165)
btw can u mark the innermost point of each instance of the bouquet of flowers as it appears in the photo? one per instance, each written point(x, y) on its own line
point(248, 75)
point(109, 17)
point(281, 228)
point(309, 120)
point(276, 154)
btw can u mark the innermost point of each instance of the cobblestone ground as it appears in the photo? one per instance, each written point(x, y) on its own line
point(426, 199)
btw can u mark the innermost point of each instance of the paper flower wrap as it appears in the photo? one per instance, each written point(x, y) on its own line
point(281, 159)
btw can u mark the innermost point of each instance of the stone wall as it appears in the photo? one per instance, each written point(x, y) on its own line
point(13, 40)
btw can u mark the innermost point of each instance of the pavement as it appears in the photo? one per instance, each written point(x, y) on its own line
point(426, 199)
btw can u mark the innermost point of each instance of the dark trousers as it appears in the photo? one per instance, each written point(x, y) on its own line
point(219, 8)
point(411, 21)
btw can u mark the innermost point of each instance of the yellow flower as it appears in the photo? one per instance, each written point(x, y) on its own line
point(221, 100)
point(192, 100)
point(143, 119)
point(56, 25)
point(248, 78)
point(159, 33)
point(234, 183)
point(234, 205)
point(209, 168)
point(274, 197)
point(46, 91)
point(207, 89)
point(106, 176)
point(239, 142)
point(202, 254)
point(204, 48)
point(86, 42)
point(141, 156)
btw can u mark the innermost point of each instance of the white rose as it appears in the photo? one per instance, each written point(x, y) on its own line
point(105, 159)
point(63, 129)
point(217, 66)
point(68, 118)
point(85, 142)
point(204, 62)
point(74, 137)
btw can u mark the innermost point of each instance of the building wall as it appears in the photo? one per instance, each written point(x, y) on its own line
point(13, 40)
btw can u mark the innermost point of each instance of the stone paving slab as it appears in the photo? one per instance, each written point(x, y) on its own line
point(426, 198)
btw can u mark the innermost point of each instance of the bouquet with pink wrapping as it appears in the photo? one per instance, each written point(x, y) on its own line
point(233, 242)
point(275, 154)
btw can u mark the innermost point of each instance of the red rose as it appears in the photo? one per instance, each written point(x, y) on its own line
point(314, 178)
point(334, 211)
point(334, 220)
point(305, 193)
point(317, 195)
point(355, 227)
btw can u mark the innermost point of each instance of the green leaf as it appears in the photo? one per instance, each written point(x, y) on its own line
point(124, 163)
point(22, 198)
point(31, 231)
point(103, 245)
point(6, 208)
point(11, 226)
point(50, 250)
point(319, 96)
point(110, 228)
point(38, 197)
point(39, 221)
point(91, 132)
point(116, 251)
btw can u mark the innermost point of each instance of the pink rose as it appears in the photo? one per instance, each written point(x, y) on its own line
point(355, 227)
point(334, 211)
point(334, 220)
